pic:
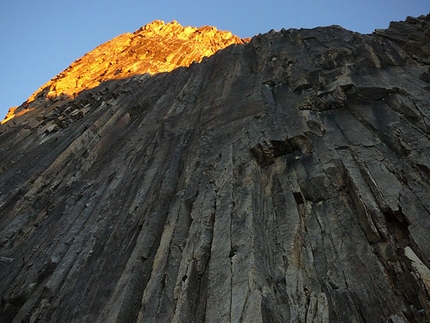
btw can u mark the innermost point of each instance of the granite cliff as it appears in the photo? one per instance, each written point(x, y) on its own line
point(283, 178)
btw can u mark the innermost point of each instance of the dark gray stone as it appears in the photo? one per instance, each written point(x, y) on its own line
point(282, 180)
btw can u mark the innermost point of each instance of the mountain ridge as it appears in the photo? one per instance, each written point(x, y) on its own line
point(154, 48)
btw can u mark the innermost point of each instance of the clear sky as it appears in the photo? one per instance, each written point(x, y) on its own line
point(40, 38)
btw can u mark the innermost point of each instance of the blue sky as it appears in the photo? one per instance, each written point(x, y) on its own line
point(40, 38)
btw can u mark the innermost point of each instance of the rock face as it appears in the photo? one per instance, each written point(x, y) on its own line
point(154, 48)
point(281, 180)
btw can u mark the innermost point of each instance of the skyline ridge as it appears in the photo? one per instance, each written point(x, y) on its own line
point(39, 48)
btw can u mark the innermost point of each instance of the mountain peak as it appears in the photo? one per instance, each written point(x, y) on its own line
point(154, 48)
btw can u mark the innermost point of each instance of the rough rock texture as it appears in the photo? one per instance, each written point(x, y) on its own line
point(281, 180)
point(154, 48)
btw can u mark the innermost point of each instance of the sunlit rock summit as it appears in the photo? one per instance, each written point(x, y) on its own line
point(154, 48)
point(283, 178)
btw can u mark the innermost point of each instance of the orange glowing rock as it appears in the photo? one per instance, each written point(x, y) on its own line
point(10, 114)
point(155, 48)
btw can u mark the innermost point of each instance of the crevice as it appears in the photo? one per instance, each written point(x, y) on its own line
point(266, 152)
point(231, 253)
point(298, 197)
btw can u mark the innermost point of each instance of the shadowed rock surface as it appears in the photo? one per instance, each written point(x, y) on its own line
point(281, 180)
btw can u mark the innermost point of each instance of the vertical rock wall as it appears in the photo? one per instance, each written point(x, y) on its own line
point(284, 180)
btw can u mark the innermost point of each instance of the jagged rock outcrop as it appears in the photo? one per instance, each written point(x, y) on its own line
point(155, 48)
point(281, 180)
